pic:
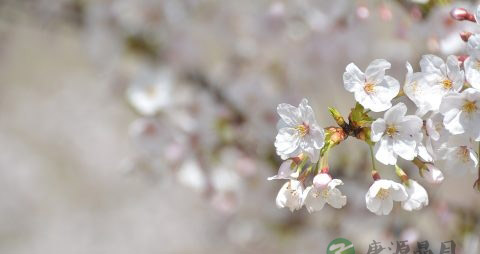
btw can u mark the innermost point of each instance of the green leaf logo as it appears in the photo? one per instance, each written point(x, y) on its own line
point(340, 246)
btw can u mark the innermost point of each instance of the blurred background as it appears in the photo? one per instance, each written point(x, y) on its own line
point(147, 126)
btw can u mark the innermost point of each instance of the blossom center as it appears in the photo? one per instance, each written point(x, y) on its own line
point(322, 193)
point(303, 129)
point(293, 192)
point(469, 106)
point(391, 130)
point(369, 88)
point(447, 84)
point(383, 194)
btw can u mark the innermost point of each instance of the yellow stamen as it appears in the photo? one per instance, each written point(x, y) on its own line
point(447, 84)
point(391, 130)
point(369, 88)
point(469, 106)
point(303, 129)
point(383, 194)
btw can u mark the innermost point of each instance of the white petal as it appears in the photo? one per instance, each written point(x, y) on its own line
point(286, 142)
point(384, 151)
point(378, 128)
point(289, 114)
point(284, 172)
point(405, 148)
point(336, 199)
point(417, 197)
point(432, 64)
point(306, 112)
point(281, 199)
point(455, 73)
point(386, 207)
point(334, 183)
point(311, 202)
point(373, 204)
point(396, 113)
point(472, 72)
point(376, 70)
point(353, 78)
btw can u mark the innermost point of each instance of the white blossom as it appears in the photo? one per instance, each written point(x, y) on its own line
point(459, 155)
point(381, 195)
point(298, 132)
point(441, 77)
point(396, 135)
point(462, 113)
point(373, 89)
point(151, 93)
point(417, 196)
point(325, 191)
point(290, 195)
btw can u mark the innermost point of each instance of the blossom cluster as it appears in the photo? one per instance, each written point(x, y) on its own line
point(441, 135)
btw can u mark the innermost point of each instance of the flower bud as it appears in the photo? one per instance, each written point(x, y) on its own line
point(432, 174)
point(321, 181)
point(465, 36)
point(462, 14)
point(337, 117)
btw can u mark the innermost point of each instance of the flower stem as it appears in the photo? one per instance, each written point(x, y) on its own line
point(375, 174)
point(374, 167)
point(401, 174)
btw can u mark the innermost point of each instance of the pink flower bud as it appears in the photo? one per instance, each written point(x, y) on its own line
point(321, 181)
point(462, 14)
point(465, 36)
point(433, 174)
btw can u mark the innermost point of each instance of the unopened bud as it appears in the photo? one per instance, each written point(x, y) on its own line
point(335, 135)
point(462, 14)
point(321, 181)
point(465, 36)
point(375, 175)
point(462, 58)
point(337, 117)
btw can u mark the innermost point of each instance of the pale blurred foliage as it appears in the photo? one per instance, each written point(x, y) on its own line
point(70, 181)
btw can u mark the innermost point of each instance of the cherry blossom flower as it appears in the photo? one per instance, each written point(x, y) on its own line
point(298, 132)
point(151, 92)
point(373, 89)
point(443, 77)
point(459, 156)
point(417, 196)
point(381, 195)
point(396, 135)
point(290, 195)
point(323, 191)
point(462, 113)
